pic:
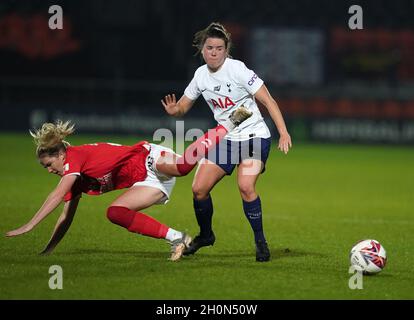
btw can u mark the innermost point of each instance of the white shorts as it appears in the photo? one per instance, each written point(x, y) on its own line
point(154, 178)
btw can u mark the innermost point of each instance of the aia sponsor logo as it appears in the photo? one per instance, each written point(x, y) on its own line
point(222, 103)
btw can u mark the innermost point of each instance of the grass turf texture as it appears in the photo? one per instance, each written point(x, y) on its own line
point(317, 202)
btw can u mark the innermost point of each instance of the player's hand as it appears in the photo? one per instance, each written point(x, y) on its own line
point(285, 143)
point(170, 104)
point(19, 231)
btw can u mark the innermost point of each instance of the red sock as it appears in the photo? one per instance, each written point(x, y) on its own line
point(137, 222)
point(199, 148)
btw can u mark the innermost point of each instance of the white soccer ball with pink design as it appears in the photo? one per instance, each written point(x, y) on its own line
point(368, 256)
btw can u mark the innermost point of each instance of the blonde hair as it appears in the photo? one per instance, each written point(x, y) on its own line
point(49, 139)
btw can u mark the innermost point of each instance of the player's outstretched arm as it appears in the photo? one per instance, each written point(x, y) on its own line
point(174, 108)
point(62, 225)
point(263, 95)
point(52, 201)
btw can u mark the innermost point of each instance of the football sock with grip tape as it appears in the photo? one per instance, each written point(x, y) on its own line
point(137, 222)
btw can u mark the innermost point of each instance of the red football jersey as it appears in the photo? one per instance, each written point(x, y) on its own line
point(103, 167)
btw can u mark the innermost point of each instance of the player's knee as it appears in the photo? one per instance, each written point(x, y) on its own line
point(247, 191)
point(112, 214)
point(119, 215)
point(184, 168)
point(200, 192)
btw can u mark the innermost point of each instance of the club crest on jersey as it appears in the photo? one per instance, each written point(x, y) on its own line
point(217, 88)
point(66, 167)
point(222, 103)
point(228, 86)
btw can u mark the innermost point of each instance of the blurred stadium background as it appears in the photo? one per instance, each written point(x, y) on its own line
point(114, 60)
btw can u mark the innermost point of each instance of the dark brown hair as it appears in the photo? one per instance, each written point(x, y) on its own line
point(214, 30)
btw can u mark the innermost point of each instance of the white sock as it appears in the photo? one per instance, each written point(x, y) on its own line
point(173, 235)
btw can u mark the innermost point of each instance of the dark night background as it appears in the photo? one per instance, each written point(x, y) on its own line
point(122, 57)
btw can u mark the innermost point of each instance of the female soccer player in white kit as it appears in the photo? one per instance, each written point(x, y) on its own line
point(226, 84)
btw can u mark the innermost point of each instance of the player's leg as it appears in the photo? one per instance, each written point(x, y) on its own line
point(207, 176)
point(247, 175)
point(252, 205)
point(125, 211)
point(138, 198)
point(176, 166)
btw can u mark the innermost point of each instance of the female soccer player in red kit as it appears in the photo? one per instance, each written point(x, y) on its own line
point(147, 169)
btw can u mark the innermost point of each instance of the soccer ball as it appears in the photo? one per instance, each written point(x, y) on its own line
point(368, 256)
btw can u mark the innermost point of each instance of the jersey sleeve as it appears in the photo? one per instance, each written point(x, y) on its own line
point(74, 163)
point(248, 79)
point(192, 91)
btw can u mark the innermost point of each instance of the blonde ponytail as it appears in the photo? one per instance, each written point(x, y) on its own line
point(49, 139)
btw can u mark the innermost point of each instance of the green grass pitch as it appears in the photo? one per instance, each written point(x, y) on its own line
point(317, 202)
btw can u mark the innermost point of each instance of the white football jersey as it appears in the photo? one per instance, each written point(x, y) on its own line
point(225, 90)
